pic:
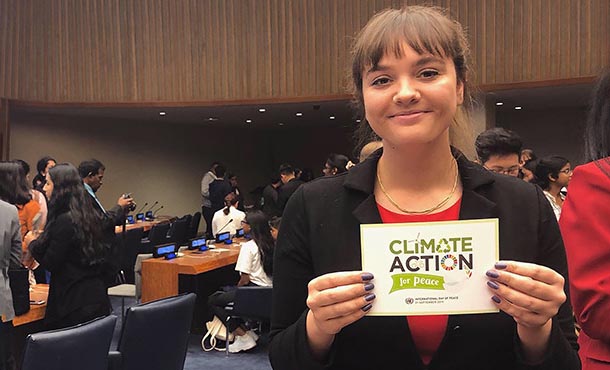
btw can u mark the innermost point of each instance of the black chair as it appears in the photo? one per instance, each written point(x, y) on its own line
point(179, 229)
point(157, 235)
point(251, 302)
point(84, 346)
point(129, 252)
point(155, 335)
point(194, 226)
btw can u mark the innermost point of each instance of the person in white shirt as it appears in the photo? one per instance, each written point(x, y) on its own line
point(255, 265)
point(228, 218)
point(552, 174)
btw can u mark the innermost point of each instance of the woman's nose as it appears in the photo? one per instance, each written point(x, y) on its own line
point(406, 92)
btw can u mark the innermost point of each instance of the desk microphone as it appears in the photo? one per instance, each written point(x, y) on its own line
point(222, 228)
point(141, 208)
point(151, 207)
point(157, 210)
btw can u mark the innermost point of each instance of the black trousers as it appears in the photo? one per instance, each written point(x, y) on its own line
point(7, 361)
point(208, 214)
point(218, 301)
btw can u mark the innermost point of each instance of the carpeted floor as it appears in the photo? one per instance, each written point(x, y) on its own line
point(197, 359)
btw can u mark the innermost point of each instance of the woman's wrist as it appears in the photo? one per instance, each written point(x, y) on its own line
point(535, 341)
point(319, 341)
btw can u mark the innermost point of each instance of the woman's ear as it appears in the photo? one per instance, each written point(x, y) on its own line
point(551, 178)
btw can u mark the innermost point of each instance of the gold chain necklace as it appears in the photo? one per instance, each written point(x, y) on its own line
point(425, 211)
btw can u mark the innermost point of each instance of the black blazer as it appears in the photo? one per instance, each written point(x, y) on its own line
point(74, 284)
point(285, 192)
point(320, 234)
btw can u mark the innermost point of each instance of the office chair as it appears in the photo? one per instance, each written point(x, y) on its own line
point(83, 346)
point(129, 252)
point(194, 226)
point(156, 236)
point(251, 302)
point(178, 230)
point(155, 335)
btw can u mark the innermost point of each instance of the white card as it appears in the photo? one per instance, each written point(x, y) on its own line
point(430, 268)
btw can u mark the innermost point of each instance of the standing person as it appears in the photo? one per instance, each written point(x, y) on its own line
point(584, 226)
point(10, 257)
point(73, 248)
point(236, 190)
point(289, 185)
point(36, 194)
point(219, 189)
point(255, 266)
point(498, 150)
point(335, 164)
point(270, 194)
point(552, 174)
point(206, 204)
point(44, 164)
point(410, 76)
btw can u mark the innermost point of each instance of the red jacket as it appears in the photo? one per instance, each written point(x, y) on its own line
point(585, 226)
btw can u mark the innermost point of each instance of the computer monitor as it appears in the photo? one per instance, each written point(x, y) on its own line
point(130, 219)
point(149, 215)
point(198, 243)
point(222, 237)
point(140, 216)
point(162, 250)
point(239, 233)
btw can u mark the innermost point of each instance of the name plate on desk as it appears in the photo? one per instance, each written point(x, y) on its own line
point(431, 267)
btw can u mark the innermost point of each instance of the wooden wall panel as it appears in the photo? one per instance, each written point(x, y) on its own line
point(206, 50)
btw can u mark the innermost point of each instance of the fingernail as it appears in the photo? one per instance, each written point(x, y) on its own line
point(493, 285)
point(500, 265)
point(492, 274)
point(366, 276)
point(369, 297)
point(367, 307)
point(369, 286)
point(495, 299)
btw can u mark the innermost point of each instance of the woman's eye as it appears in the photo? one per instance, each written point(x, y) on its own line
point(380, 81)
point(429, 73)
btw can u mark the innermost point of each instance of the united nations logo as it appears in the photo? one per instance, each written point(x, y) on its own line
point(409, 300)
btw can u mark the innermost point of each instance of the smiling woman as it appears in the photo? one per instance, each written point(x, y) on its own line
point(410, 77)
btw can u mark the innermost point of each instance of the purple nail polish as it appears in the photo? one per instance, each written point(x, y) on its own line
point(496, 299)
point(492, 274)
point(367, 307)
point(366, 276)
point(500, 265)
point(493, 285)
point(369, 297)
point(369, 286)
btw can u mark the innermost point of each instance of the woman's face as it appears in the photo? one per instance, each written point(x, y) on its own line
point(564, 175)
point(48, 186)
point(328, 170)
point(411, 99)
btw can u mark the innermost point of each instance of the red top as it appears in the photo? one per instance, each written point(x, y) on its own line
point(427, 331)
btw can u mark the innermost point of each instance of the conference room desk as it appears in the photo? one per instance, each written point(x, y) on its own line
point(200, 272)
point(146, 225)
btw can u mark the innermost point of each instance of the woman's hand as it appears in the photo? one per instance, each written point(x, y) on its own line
point(532, 295)
point(29, 236)
point(336, 300)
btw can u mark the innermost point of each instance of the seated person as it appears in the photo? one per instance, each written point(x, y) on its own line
point(255, 265)
point(229, 218)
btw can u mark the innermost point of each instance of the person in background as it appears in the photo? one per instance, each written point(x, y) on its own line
point(526, 156)
point(219, 189)
point(289, 185)
point(73, 248)
point(274, 224)
point(10, 257)
point(255, 266)
point(586, 233)
point(206, 204)
point(368, 149)
point(498, 150)
point(229, 218)
point(552, 174)
point(528, 169)
point(44, 164)
point(410, 77)
point(306, 175)
point(335, 164)
point(269, 198)
point(36, 195)
point(235, 190)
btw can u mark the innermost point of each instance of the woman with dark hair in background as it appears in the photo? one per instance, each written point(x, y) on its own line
point(255, 265)
point(229, 218)
point(72, 248)
point(552, 174)
point(586, 233)
point(335, 164)
point(44, 164)
point(528, 169)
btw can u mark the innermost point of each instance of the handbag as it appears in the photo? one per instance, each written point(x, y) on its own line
point(20, 289)
point(216, 330)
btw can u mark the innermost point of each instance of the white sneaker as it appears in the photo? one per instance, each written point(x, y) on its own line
point(253, 335)
point(242, 343)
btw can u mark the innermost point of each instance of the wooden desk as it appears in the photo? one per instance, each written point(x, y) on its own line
point(160, 276)
point(36, 312)
point(146, 225)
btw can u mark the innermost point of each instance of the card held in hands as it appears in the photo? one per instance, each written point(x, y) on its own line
point(428, 268)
